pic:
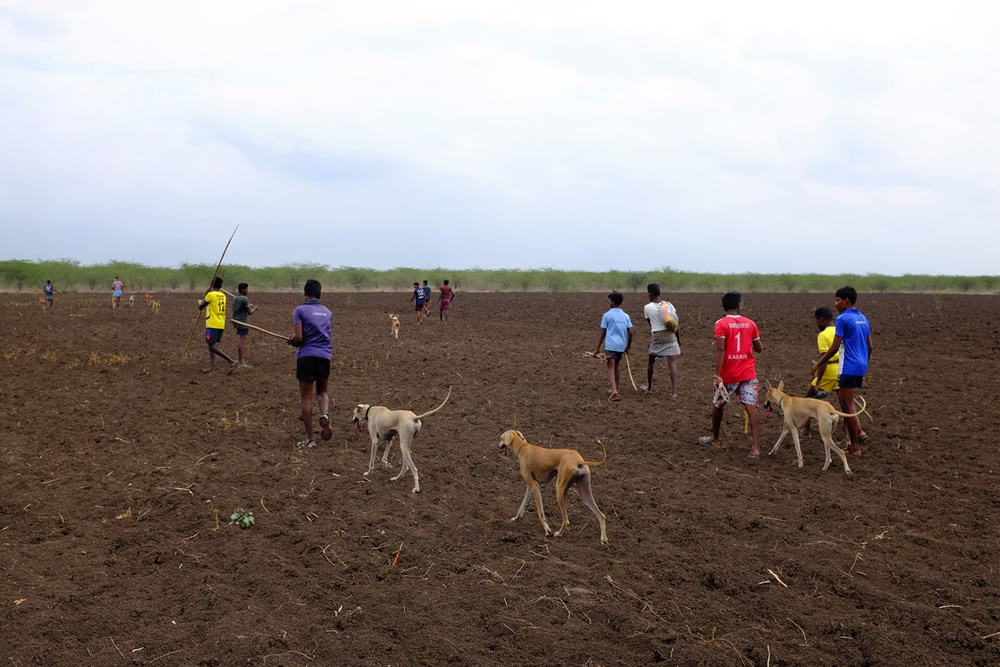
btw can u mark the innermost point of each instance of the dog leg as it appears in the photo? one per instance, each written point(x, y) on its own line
point(587, 493)
point(784, 432)
point(795, 439)
point(371, 458)
point(404, 448)
point(563, 482)
point(536, 490)
point(826, 433)
point(524, 503)
point(385, 454)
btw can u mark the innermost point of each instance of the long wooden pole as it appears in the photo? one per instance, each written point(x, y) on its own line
point(218, 267)
point(257, 328)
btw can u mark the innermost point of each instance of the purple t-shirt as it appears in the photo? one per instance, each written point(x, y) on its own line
point(315, 320)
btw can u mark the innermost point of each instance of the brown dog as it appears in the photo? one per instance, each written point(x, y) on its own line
point(155, 305)
point(798, 411)
point(538, 465)
point(394, 328)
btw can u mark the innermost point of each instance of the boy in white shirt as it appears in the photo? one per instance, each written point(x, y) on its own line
point(664, 342)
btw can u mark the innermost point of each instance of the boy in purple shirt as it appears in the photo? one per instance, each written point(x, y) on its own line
point(312, 337)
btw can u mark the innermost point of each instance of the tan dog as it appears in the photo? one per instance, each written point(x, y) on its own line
point(131, 300)
point(383, 424)
point(394, 328)
point(798, 411)
point(42, 303)
point(155, 305)
point(149, 298)
point(538, 465)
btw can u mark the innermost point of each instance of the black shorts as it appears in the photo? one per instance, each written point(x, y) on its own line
point(312, 369)
point(213, 336)
point(241, 330)
point(850, 381)
point(615, 356)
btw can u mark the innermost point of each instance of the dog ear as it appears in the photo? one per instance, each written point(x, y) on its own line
point(768, 383)
point(781, 384)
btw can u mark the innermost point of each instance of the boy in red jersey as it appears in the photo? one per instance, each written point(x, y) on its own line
point(736, 339)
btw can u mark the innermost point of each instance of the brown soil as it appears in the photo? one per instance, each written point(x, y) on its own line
point(117, 451)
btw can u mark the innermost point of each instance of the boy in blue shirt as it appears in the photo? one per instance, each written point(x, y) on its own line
point(616, 334)
point(418, 300)
point(853, 331)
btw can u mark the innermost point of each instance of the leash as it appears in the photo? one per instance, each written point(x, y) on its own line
point(629, 367)
point(721, 393)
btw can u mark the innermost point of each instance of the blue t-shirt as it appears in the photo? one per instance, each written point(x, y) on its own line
point(853, 329)
point(418, 296)
point(316, 337)
point(616, 323)
point(427, 292)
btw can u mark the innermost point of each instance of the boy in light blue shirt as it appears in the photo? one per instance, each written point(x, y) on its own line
point(616, 334)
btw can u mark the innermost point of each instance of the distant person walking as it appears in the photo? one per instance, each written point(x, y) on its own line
point(49, 290)
point(444, 303)
point(852, 332)
point(616, 334)
point(427, 298)
point(417, 298)
point(736, 340)
point(215, 324)
point(242, 309)
point(117, 288)
point(313, 338)
point(664, 342)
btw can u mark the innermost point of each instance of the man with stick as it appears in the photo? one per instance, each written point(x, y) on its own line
point(616, 334)
point(215, 324)
point(242, 309)
point(313, 339)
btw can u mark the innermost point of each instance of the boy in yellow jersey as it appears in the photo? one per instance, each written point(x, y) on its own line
point(825, 381)
point(215, 324)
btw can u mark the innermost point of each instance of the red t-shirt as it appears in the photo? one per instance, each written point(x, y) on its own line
point(445, 292)
point(739, 332)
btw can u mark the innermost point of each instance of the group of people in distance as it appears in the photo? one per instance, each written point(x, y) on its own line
point(845, 341)
point(117, 289)
point(421, 299)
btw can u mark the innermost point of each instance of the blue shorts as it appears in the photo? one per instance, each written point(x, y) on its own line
point(213, 336)
point(117, 293)
point(850, 381)
point(241, 331)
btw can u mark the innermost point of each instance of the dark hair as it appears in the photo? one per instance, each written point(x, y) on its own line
point(824, 313)
point(731, 300)
point(446, 282)
point(217, 283)
point(425, 282)
point(616, 298)
point(242, 286)
point(313, 288)
point(653, 289)
point(416, 284)
point(848, 293)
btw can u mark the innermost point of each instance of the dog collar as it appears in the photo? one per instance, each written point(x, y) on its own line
point(780, 400)
point(517, 452)
point(365, 418)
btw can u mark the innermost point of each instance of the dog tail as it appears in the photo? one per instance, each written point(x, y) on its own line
point(597, 463)
point(863, 410)
point(428, 414)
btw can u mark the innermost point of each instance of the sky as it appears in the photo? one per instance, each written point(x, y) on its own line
point(725, 137)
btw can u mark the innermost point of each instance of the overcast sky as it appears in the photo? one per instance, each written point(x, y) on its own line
point(717, 136)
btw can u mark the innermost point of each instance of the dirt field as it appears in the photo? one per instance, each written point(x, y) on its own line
point(116, 452)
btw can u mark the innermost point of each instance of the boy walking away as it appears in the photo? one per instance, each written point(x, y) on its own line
point(427, 298)
point(444, 304)
point(616, 334)
point(215, 324)
point(312, 337)
point(49, 290)
point(825, 381)
point(664, 342)
point(117, 287)
point(736, 340)
point(418, 300)
point(854, 333)
point(242, 309)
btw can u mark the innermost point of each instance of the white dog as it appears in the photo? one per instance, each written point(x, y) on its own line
point(383, 424)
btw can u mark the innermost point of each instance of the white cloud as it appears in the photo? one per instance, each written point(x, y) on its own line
point(721, 137)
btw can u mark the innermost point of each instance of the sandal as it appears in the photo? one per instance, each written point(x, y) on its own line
point(305, 442)
point(327, 432)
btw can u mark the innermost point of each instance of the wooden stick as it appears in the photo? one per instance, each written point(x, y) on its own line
point(260, 329)
point(218, 267)
point(629, 366)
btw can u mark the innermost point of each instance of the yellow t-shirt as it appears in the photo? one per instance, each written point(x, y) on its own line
point(215, 311)
point(824, 340)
